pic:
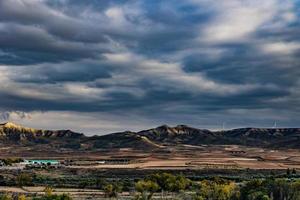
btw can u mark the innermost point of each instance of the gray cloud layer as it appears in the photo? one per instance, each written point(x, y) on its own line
point(198, 62)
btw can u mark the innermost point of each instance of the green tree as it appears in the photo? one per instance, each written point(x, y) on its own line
point(112, 190)
point(169, 183)
point(258, 195)
point(198, 197)
point(288, 171)
point(146, 188)
point(100, 183)
point(22, 197)
point(181, 183)
point(24, 180)
point(252, 186)
point(6, 197)
point(295, 190)
point(217, 190)
point(48, 191)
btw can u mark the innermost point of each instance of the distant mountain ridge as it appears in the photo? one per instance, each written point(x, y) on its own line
point(152, 138)
point(11, 132)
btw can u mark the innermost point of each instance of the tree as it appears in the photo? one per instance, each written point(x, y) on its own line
point(169, 182)
point(181, 183)
point(48, 191)
point(112, 190)
point(250, 187)
point(288, 171)
point(294, 191)
point(100, 183)
point(83, 184)
point(6, 197)
point(163, 180)
point(10, 161)
point(109, 190)
point(24, 180)
point(258, 195)
point(22, 197)
point(146, 188)
point(64, 197)
point(265, 197)
point(217, 190)
point(198, 197)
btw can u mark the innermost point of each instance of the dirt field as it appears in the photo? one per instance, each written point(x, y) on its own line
point(194, 162)
point(177, 157)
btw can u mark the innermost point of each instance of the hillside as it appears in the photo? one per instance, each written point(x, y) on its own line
point(267, 137)
point(180, 134)
point(152, 138)
point(13, 133)
point(264, 137)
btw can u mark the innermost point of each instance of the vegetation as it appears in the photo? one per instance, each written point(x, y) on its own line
point(112, 190)
point(169, 182)
point(10, 161)
point(216, 189)
point(169, 186)
point(54, 197)
point(146, 189)
point(47, 196)
point(165, 183)
point(48, 191)
point(276, 189)
point(22, 197)
point(6, 197)
point(24, 180)
point(172, 187)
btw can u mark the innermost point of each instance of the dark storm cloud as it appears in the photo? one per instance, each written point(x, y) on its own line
point(75, 72)
point(242, 64)
point(54, 22)
point(78, 4)
point(171, 61)
point(34, 45)
point(175, 23)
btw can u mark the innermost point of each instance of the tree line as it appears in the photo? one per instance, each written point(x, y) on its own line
point(169, 186)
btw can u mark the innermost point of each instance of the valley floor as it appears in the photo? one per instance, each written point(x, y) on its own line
point(170, 157)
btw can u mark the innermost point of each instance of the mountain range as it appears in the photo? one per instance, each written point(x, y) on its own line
point(161, 136)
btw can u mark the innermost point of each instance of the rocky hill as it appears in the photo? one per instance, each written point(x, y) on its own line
point(13, 133)
point(266, 137)
point(150, 139)
point(180, 134)
point(269, 137)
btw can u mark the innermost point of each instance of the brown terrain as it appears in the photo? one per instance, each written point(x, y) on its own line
point(179, 147)
point(241, 153)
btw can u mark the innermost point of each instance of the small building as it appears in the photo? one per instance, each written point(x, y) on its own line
point(36, 163)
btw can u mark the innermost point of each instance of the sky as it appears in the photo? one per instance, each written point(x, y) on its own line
point(102, 66)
